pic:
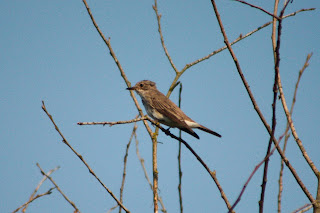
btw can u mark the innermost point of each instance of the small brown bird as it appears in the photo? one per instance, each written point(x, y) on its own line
point(163, 110)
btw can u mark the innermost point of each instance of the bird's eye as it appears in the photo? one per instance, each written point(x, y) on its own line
point(141, 85)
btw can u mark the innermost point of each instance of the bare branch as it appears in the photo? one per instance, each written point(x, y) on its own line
point(112, 53)
point(294, 132)
point(304, 208)
point(306, 64)
point(252, 174)
point(155, 8)
point(34, 198)
point(113, 123)
point(179, 160)
point(125, 164)
point(212, 173)
point(292, 170)
point(64, 140)
point(259, 8)
point(57, 187)
point(240, 38)
point(163, 209)
point(40, 183)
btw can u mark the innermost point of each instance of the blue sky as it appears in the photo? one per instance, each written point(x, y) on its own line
point(52, 52)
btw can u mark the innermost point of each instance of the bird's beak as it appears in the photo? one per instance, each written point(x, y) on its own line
point(131, 88)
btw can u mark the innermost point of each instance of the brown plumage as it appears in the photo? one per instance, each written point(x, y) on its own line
point(163, 110)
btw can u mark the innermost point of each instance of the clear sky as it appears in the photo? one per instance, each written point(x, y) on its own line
point(50, 51)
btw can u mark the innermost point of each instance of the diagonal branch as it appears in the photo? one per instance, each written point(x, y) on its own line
point(259, 8)
point(240, 38)
point(155, 8)
point(294, 132)
point(212, 173)
point(33, 199)
point(37, 188)
point(254, 103)
point(251, 175)
point(57, 187)
point(306, 64)
point(64, 140)
point(113, 55)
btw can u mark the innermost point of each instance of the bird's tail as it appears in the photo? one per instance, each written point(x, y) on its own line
point(191, 132)
point(209, 131)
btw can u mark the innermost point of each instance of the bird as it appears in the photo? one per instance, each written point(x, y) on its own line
point(163, 110)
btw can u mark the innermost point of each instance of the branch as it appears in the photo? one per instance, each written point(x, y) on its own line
point(294, 132)
point(304, 208)
point(113, 123)
point(145, 172)
point(275, 92)
point(64, 140)
point(212, 173)
point(125, 164)
point(40, 183)
point(287, 129)
point(155, 8)
point(33, 199)
point(259, 8)
point(292, 170)
point(240, 38)
point(252, 174)
point(113, 55)
point(179, 160)
point(57, 187)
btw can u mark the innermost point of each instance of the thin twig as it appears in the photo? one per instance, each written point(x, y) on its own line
point(266, 164)
point(112, 123)
point(275, 92)
point(113, 55)
point(294, 132)
point(212, 173)
point(259, 8)
point(254, 103)
point(179, 160)
point(251, 175)
point(306, 64)
point(64, 140)
point(58, 188)
point(40, 183)
point(112, 208)
point(34, 198)
point(155, 8)
point(304, 208)
point(125, 164)
point(163, 209)
point(240, 38)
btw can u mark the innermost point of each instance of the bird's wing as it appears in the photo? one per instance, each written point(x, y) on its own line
point(169, 109)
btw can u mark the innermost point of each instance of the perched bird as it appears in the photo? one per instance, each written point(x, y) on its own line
point(163, 110)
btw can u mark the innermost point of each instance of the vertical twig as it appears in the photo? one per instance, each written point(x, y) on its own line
point(306, 64)
point(163, 209)
point(125, 163)
point(275, 92)
point(179, 160)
